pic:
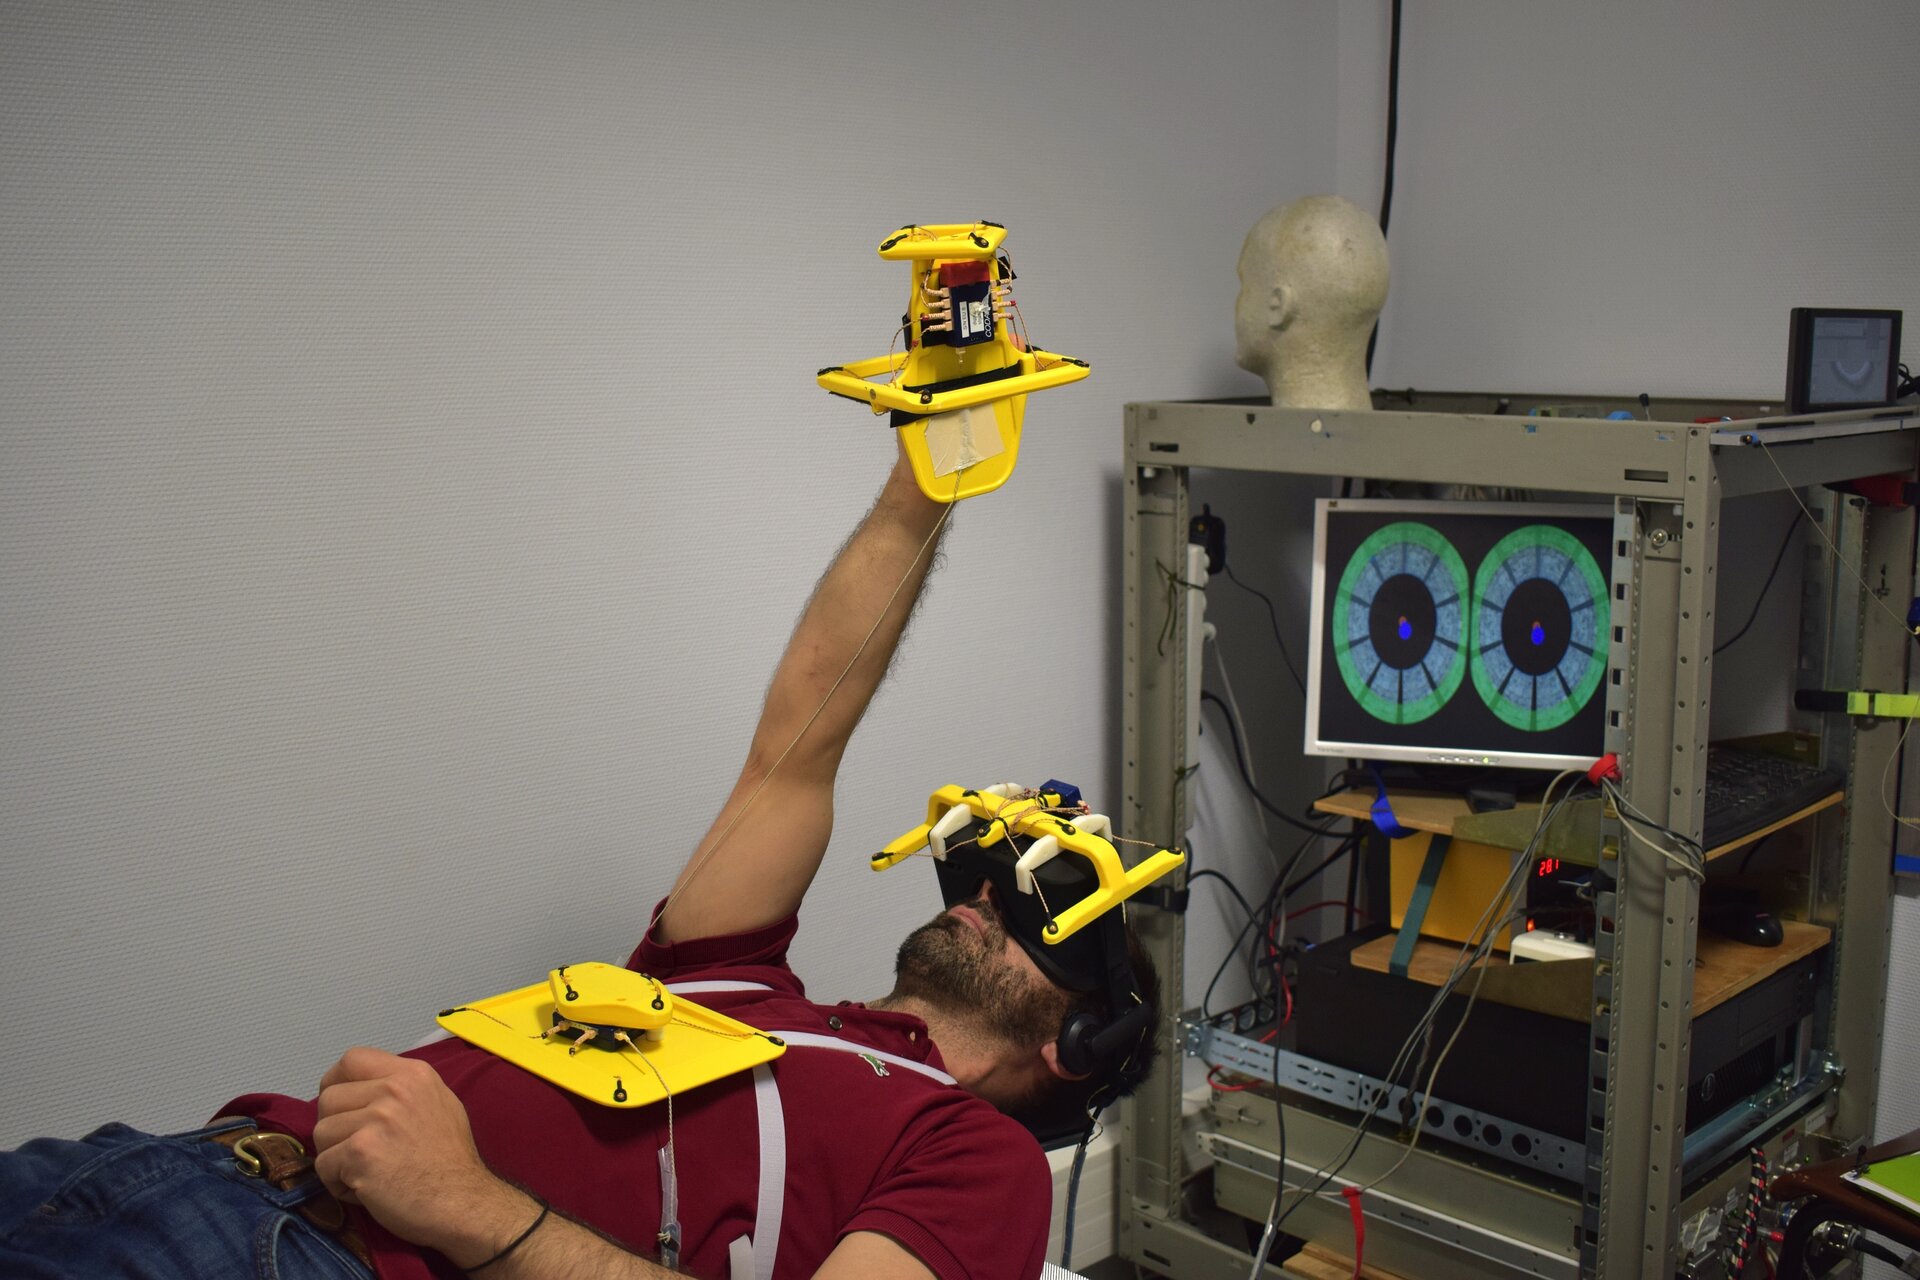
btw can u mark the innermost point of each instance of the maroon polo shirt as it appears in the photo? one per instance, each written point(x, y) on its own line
point(960, 1185)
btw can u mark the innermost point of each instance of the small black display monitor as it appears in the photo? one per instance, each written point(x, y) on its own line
point(1466, 633)
point(1842, 359)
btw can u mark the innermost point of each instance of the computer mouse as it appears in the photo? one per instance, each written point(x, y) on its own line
point(1750, 925)
point(1763, 930)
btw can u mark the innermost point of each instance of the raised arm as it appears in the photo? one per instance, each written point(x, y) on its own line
point(755, 863)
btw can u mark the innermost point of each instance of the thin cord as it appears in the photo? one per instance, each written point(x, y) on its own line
point(1692, 859)
point(1497, 915)
point(1273, 618)
point(701, 858)
point(1872, 595)
point(1239, 758)
point(1233, 705)
point(1838, 558)
point(1073, 1194)
point(1393, 136)
point(1765, 586)
point(1886, 777)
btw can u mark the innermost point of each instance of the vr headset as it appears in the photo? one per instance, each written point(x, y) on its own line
point(1056, 878)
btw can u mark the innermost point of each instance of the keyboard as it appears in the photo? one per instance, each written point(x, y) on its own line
point(1747, 791)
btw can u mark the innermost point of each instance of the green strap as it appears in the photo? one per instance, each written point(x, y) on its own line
point(1417, 905)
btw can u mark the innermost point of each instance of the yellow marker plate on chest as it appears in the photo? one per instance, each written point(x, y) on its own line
point(611, 1035)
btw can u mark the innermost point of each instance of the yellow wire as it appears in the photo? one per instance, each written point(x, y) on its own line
point(1886, 776)
point(1838, 558)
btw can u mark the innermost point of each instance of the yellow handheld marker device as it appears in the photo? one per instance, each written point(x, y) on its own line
point(611, 1035)
point(958, 392)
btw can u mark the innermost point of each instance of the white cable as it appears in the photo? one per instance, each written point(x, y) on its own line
point(1633, 820)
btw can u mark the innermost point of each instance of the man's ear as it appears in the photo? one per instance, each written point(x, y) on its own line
point(1050, 1054)
point(1280, 307)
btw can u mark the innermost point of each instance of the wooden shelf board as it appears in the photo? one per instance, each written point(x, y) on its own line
point(1753, 837)
point(1723, 969)
point(1427, 811)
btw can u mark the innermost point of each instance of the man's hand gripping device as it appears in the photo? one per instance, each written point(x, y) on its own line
point(958, 392)
point(1056, 879)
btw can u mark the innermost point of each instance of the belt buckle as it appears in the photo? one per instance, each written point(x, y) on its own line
point(253, 1164)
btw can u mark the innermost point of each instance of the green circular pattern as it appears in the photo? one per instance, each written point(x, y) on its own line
point(1535, 702)
point(1401, 694)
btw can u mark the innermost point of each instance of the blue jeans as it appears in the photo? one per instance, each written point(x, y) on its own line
point(120, 1203)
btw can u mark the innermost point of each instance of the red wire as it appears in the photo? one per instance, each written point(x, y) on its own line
point(1359, 1227)
point(1225, 1088)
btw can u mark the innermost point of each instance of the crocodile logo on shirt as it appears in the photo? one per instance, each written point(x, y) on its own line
point(879, 1067)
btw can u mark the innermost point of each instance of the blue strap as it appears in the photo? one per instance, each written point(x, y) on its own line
point(1416, 912)
point(1384, 820)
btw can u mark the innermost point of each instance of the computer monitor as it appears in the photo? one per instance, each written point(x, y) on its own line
point(1462, 633)
point(1842, 359)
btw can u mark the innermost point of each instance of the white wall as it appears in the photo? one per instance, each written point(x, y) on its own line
point(1631, 196)
point(411, 466)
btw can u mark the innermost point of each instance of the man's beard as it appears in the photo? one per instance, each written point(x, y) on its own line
point(966, 976)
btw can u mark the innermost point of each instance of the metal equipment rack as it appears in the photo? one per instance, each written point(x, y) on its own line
point(1620, 1213)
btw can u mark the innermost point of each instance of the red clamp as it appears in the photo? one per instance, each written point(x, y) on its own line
point(1607, 767)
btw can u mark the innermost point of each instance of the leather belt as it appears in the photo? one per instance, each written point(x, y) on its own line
point(279, 1160)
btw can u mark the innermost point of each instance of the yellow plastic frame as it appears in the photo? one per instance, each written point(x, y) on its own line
point(683, 1045)
point(921, 365)
point(1051, 835)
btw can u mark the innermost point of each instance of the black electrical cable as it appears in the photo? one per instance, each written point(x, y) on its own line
point(1636, 818)
point(1393, 137)
point(1240, 759)
point(1280, 1115)
point(1756, 847)
point(1258, 920)
point(1073, 1191)
point(1765, 586)
point(1353, 889)
point(1874, 1249)
point(1232, 888)
point(1422, 1031)
point(1253, 920)
point(1347, 846)
point(1272, 617)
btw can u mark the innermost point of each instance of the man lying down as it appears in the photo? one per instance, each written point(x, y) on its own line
point(901, 1154)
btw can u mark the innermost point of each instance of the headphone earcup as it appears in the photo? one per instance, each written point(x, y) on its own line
point(1077, 1056)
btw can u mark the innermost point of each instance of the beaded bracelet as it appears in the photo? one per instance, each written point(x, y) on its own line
point(518, 1240)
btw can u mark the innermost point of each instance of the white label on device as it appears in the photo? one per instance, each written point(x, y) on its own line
point(960, 439)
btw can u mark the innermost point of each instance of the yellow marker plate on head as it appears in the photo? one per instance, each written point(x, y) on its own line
point(1031, 818)
point(674, 1045)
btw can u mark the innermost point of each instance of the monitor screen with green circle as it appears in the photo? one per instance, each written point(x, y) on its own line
point(1460, 632)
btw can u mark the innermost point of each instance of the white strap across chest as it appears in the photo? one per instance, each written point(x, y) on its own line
point(751, 1258)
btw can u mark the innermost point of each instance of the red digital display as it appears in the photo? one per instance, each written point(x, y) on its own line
point(1546, 867)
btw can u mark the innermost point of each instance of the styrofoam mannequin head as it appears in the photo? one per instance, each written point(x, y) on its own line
point(1313, 277)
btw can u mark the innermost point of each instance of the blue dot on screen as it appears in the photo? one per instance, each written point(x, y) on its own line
point(1406, 630)
point(1539, 634)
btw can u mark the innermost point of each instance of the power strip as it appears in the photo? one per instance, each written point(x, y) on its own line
point(1096, 1223)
